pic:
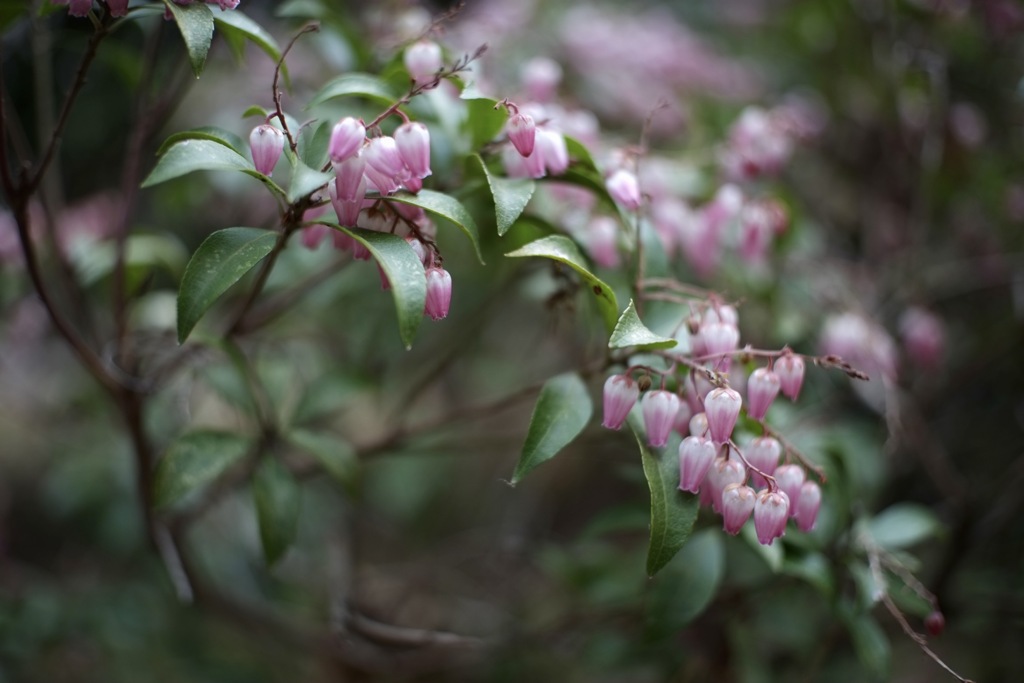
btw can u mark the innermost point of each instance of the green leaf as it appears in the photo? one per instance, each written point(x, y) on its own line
point(211, 133)
point(194, 460)
point(196, 25)
point(237, 24)
point(483, 121)
point(447, 207)
point(579, 152)
point(313, 144)
point(511, 195)
point(870, 642)
point(191, 155)
point(332, 452)
point(405, 273)
point(143, 254)
point(630, 332)
point(255, 110)
point(814, 569)
point(688, 584)
point(673, 513)
point(355, 85)
point(564, 250)
point(277, 498)
point(562, 411)
point(304, 180)
point(903, 525)
point(219, 262)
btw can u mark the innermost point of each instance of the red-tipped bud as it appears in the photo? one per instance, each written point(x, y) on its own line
point(935, 623)
point(413, 140)
point(695, 458)
point(722, 407)
point(790, 479)
point(423, 60)
point(807, 506)
point(771, 510)
point(659, 408)
point(763, 453)
point(762, 388)
point(790, 370)
point(737, 504)
point(439, 293)
point(620, 395)
point(266, 144)
point(722, 473)
point(346, 139)
point(522, 133)
point(624, 188)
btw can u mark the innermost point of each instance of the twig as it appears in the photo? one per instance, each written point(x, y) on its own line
point(278, 111)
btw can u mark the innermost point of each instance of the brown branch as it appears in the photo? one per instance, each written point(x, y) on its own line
point(278, 111)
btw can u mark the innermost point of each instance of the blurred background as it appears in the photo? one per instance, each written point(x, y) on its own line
point(904, 252)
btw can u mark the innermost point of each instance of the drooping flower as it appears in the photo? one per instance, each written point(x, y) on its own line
point(808, 505)
point(737, 504)
point(722, 407)
point(347, 139)
point(696, 454)
point(620, 395)
point(413, 141)
point(624, 188)
point(790, 370)
point(266, 144)
point(659, 408)
point(522, 133)
point(771, 510)
point(762, 388)
point(790, 479)
point(423, 60)
point(439, 293)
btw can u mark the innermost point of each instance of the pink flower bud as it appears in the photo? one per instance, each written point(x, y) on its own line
point(518, 166)
point(695, 458)
point(737, 504)
point(719, 338)
point(423, 60)
point(347, 209)
point(771, 510)
point(807, 506)
point(522, 133)
point(762, 388)
point(118, 8)
point(350, 184)
point(602, 240)
point(935, 623)
point(266, 144)
point(541, 77)
point(418, 248)
point(76, 8)
point(699, 425)
point(346, 139)
point(551, 146)
point(722, 473)
point(620, 394)
point(790, 479)
point(681, 425)
point(439, 293)
point(413, 141)
point(722, 407)
point(659, 408)
point(763, 453)
point(622, 186)
point(313, 235)
point(790, 370)
point(721, 313)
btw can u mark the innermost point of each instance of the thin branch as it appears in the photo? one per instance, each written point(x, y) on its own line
point(278, 111)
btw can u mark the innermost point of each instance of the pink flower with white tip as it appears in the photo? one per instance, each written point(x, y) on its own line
point(696, 456)
point(722, 407)
point(347, 139)
point(763, 453)
point(790, 370)
point(423, 60)
point(266, 144)
point(771, 510)
point(738, 502)
point(413, 141)
point(659, 409)
point(439, 293)
point(620, 395)
point(807, 506)
point(624, 189)
point(522, 133)
point(790, 479)
point(762, 388)
point(722, 473)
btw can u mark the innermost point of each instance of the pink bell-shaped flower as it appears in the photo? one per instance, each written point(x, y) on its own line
point(696, 455)
point(266, 144)
point(722, 473)
point(737, 504)
point(763, 453)
point(681, 424)
point(551, 146)
point(602, 241)
point(522, 133)
point(762, 388)
point(346, 139)
point(790, 369)
point(771, 510)
point(423, 60)
point(808, 505)
point(722, 407)
point(350, 182)
point(347, 209)
point(384, 167)
point(624, 189)
point(620, 395)
point(790, 479)
point(413, 140)
point(659, 409)
point(699, 425)
point(439, 293)
point(118, 8)
point(719, 337)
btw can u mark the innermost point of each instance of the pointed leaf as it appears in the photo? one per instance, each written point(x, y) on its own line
point(237, 23)
point(277, 497)
point(483, 120)
point(332, 452)
point(630, 332)
point(579, 152)
point(313, 142)
point(219, 262)
point(561, 413)
point(305, 180)
point(196, 25)
point(564, 250)
point(190, 155)
point(447, 207)
point(511, 195)
point(194, 460)
point(405, 273)
point(212, 133)
point(903, 525)
point(673, 512)
point(689, 583)
point(355, 85)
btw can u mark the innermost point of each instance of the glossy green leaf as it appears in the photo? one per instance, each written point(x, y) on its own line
point(219, 262)
point(511, 195)
point(630, 332)
point(903, 525)
point(405, 273)
point(579, 153)
point(278, 497)
point(196, 25)
point(194, 460)
point(332, 452)
point(235, 23)
point(355, 85)
point(562, 249)
point(673, 513)
point(313, 142)
point(187, 156)
point(483, 121)
point(446, 207)
point(211, 133)
point(305, 180)
point(689, 583)
point(562, 411)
